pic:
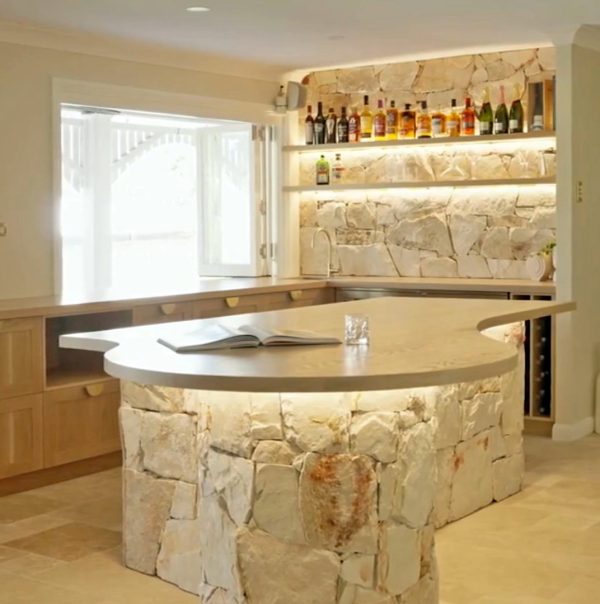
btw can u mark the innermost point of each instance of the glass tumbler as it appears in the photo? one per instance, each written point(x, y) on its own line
point(356, 329)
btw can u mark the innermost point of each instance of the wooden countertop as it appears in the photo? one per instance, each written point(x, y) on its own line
point(238, 286)
point(414, 342)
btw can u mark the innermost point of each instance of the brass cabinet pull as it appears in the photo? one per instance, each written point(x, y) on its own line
point(94, 389)
point(295, 294)
point(232, 302)
point(168, 309)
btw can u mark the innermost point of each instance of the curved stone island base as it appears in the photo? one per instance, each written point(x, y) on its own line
point(314, 498)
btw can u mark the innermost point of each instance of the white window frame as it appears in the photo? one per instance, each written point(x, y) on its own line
point(77, 92)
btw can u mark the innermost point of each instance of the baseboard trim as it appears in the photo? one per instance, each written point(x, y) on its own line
point(574, 431)
point(41, 478)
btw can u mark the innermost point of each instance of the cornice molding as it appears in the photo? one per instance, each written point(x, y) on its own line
point(30, 34)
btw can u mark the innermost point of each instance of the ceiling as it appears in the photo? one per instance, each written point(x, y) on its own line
point(295, 34)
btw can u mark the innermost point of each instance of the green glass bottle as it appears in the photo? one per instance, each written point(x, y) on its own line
point(486, 115)
point(516, 117)
point(501, 117)
point(322, 171)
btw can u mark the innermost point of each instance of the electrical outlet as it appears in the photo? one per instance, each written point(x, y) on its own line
point(3, 229)
point(579, 192)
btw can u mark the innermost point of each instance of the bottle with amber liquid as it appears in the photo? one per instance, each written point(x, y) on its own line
point(342, 127)
point(453, 121)
point(319, 125)
point(406, 123)
point(391, 122)
point(423, 122)
point(438, 123)
point(467, 119)
point(330, 124)
point(366, 121)
point(354, 127)
point(379, 122)
point(309, 127)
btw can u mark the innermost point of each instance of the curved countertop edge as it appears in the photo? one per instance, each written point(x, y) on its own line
point(133, 340)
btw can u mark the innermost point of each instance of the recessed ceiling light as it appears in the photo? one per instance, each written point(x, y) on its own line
point(197, 9)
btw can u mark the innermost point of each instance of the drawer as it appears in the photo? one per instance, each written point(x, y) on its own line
point(21, 357)
point(20, 435)
point(215, 307)
point(81, 422)
point(162, 313)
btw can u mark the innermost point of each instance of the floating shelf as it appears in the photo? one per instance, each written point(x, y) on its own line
point(425, 142)
point(547, 180)
point(60, 378)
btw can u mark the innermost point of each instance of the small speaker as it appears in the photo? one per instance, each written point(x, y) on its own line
point(296, 96)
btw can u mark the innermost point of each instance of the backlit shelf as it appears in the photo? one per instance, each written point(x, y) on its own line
point(538, 137)
point(547, 180)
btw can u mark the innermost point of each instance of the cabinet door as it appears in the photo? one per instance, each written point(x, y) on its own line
point(162, 313)
point(20, 435)
point(81, 422)
point(21, 357)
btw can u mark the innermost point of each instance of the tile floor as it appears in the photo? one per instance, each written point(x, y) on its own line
point(60, 544)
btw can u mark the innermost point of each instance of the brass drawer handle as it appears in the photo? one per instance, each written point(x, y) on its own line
point(232, 302)
point(168, 309)
point(295, 294)
point(94, 389)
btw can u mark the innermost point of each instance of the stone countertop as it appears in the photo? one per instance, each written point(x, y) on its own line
point(414, 342)
point(234, 286)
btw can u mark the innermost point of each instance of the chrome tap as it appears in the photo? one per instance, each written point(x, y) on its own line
point(330, 267)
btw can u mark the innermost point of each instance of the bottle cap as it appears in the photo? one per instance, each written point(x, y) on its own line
point(366, 99)
point(406, 106)
point(309, 108)
point(424, 105)
point(330, 109)
point(380, 104)
point(453, 102)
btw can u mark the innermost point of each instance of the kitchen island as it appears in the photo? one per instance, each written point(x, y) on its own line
point(318, 474)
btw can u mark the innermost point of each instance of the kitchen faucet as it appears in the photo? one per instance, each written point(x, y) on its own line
point(330, 268)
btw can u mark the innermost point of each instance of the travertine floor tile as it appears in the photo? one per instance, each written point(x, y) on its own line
point(25, 505)
point(68, 542)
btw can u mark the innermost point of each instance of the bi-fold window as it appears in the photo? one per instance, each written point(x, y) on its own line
point(150, 199)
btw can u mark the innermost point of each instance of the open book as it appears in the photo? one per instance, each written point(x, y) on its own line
point(214, 336)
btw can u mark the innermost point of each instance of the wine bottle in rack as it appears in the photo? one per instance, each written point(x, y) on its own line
point(391, 122)
point(330, 126)
point(407, 123)
point(423, 122)
point(486, 115)
point(354, 126)
point(453, 121)
point(516, 116)
point(467, 119)
point(379, 122)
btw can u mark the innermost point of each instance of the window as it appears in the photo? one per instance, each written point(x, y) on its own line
point(151, 199)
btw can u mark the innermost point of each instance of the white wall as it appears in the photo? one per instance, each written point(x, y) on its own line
point(26, 143)
point(578, 275)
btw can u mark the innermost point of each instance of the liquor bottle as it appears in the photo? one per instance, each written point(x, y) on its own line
point(330, 123)
point(537, 118)
point(379, 122)
point(391, 122)
point(322, 171)
point(486, 115)
point(407, 123)
point(309, 127)
point(423, 122)
point(515, 118)
point(354, 127)
point(501, 117)
point(438, 123)
point(342, 127)
point(467, 119)
point(453, 121)
point(366, 121)
point(319, 125)
point(338, 168)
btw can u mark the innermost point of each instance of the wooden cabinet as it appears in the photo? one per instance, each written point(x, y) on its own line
point(81, 422)
point(162, 312)
point(20, 435)
point(21, 356)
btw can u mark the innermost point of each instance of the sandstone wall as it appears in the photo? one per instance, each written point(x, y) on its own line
point(452, 232)
point(294, 498)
